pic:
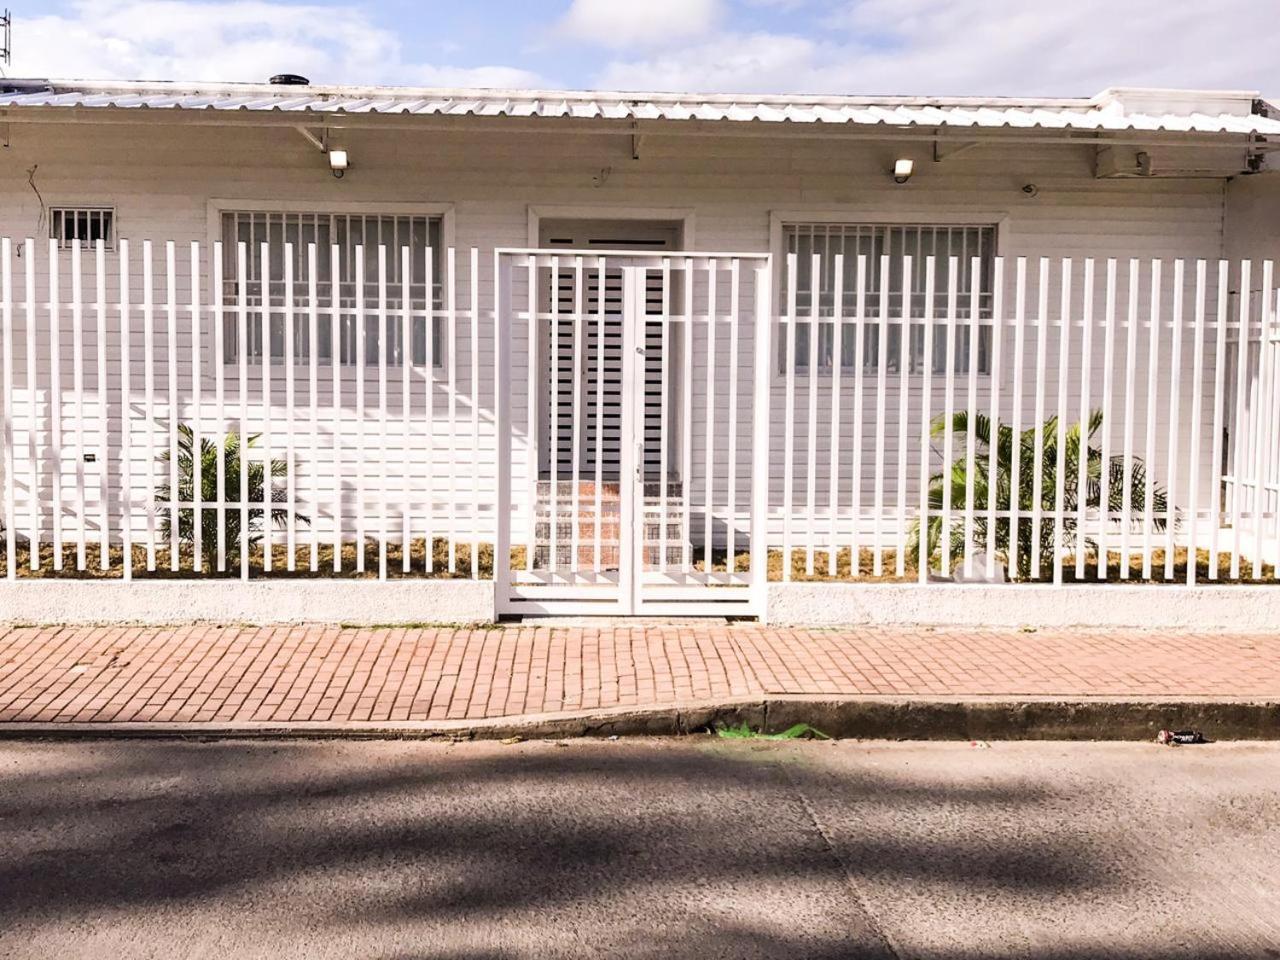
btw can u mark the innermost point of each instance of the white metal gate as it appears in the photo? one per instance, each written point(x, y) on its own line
point(632, 432)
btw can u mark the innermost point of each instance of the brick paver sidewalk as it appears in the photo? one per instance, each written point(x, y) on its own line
point(292, 674)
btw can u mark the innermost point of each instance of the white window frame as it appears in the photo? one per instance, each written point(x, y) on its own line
point(216, 208)
point(998, 220)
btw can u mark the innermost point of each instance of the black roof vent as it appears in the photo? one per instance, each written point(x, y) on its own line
point(289, 80)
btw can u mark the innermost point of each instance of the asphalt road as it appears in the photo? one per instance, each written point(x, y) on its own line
point(638, 849)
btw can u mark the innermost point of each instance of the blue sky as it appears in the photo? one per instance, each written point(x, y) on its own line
point(944, 47)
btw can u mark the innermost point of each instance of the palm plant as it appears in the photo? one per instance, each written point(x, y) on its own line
point(232, 465)
point(1030, 541)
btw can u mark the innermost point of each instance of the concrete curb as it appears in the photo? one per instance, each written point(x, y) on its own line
point(867, 718)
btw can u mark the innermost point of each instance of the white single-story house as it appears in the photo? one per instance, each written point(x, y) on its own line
point(577, 329)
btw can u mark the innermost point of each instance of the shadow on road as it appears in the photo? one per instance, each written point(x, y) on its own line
point(488, 853)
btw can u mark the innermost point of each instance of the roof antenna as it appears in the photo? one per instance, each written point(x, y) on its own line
point(6, 35)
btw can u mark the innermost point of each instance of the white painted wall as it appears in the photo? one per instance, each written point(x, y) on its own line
point(161, 179)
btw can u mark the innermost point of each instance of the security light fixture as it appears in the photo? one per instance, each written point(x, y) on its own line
point(903, 168)
point(338, 162)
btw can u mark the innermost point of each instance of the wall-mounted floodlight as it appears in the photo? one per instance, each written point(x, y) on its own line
point(903, 168)
point(338, 162)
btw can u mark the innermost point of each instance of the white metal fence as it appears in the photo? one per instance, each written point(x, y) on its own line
point(149, 386)
point(887, 424)
point(194, 410)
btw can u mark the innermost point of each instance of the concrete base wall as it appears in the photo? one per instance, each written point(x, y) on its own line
point(365, 603)
point(1245, 609)
point(359, 602)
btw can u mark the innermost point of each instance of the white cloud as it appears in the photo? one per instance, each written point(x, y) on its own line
point(624, 23)
point(759, 63)
point(240, 40)
point(1031, 47)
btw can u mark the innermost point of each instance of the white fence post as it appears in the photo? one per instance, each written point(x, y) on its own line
point(762, 376)
point(6, 384)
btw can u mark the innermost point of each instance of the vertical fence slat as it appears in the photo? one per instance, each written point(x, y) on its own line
point(576, 348)
point(1265, 425)
point(837, 363)
point(335, 356)
point(503, 374)
point(1108, 402)
point(904, 414)
point(762, 336)
point(313, 394)
point(882, 393)
point(993, 447)
point(384, 476)
point(55, 398)
point(1130, 396)
point(474, 324)
point(686, 447)
point(126, 427)
point(1175, 420)
point(1082, 455)
point(949, 412)
point(926, 400)
point(362, 452)
point(598, 506)
point(77, 394)
point(531, 423)
point(1238, 434)
point(1271, 345)
point(242, 357)
point(171, 397)
point(855, 473)
point(219, 406)
point(197, 415)
point(290, 417)
point(811, 446)
point(1041, 389)
point(406, 408)
point(731, 507)
point(1153, 398)
point(971, 412)
point(33, 395)
point(708, 464)
point(553, 425)
point(1060, 471)
point(264, 360)
point(1195, 434)
point(664, 419)
point(791, 346)
point(1015, 467)
point(104, 424)
point(429, 412)
point(149, 395)
point(1219, 415)
point(6, 370)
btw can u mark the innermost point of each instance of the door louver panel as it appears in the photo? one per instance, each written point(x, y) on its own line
point(599, 379)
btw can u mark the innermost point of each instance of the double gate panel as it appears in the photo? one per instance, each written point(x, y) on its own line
point(632, 415)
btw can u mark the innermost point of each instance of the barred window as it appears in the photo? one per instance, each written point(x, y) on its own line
point(875, 241)
point(82, 226)
point(357, 238)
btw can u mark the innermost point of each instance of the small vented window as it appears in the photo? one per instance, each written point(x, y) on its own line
point(82, 226)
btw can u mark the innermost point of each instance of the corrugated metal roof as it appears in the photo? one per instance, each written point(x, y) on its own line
point(1209, 112)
